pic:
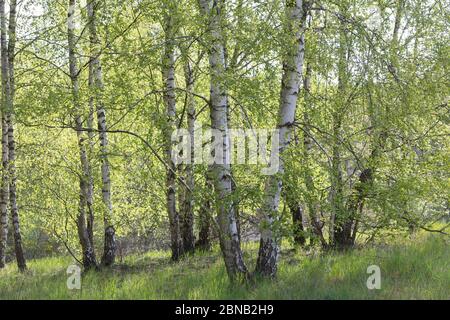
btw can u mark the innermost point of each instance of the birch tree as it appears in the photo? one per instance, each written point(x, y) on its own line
point(5, 108)
point(187, 219)
point(109, 249)
point(87, 247)
point(269, 246)
point(221, 172)
point(18, 248)
point(340, 223)
point(168, 78)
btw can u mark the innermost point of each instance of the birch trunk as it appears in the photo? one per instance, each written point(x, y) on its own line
point(5, 107)
point(221, 173)
point(187, 229)
point(342, 222)
point(90, 126)
point(18, 248)
point(168, 77)
point(109, 249)
point(290, 85)
point(89, 259)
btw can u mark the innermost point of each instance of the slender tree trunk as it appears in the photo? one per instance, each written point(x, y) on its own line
point(90, 126)
point(231, 68)
point(290, 85)
point(168, 77)
point(89, 259)
point(342, 222)
point(4, 188)
point(221, 173)
point(109, 249)
point(187, 218)
point(18, 248)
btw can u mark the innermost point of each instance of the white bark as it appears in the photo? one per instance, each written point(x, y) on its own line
point(221, 173)
point(290, 86)
point(89, 260)
point(5, 108)
point(187, 229)
point(109, 251)
point(18, 248)
point(168, 77)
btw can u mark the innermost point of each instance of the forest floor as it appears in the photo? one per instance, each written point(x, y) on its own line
point(417, 268)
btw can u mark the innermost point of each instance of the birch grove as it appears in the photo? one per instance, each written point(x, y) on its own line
point(303, 127)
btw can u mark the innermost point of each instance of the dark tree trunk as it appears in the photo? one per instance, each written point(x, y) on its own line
point(297, 222)
point(204, 241)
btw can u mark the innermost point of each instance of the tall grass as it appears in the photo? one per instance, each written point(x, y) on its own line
point(418, 269)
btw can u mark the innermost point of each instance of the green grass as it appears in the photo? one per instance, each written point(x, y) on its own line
point(410, 269)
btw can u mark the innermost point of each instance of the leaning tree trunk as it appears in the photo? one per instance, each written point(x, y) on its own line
point(168, 77)
point(89, 259)
point(220, 172)
point(109, 249)
point(5, 107)
point(187, 225)
point(290, 85)
point(18, 248)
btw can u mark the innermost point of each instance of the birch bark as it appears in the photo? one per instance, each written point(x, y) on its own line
point(109, 249)
point(168, 78)
point(4, 188)
point(90, 126)
point(18, 247)
point(188, 204)
point(340, 226)
point(89, 259)
point(266, 264)
point(221, 173)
